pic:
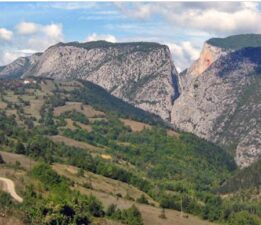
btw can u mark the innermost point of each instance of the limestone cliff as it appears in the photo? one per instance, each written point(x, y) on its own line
point(140, 73)
point(223, 103)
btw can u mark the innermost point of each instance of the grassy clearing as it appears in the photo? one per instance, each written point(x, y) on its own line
point(4, 220)
point(87, 110)
point(100, 183)
point(34, 108)
point(173, 133)
point(78, 144)
point(11, 97)
point(47, 86)
point(150, 214)
point(92, 120)
point(139, 126)
point(12, 158)
point(106, 156)
point(105, 221)
point(70, 124)
point(134, 125)
point(2, 105)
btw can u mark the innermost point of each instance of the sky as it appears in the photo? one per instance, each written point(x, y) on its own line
point(29, 27)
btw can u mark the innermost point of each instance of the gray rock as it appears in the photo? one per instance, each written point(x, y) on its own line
point(222, 104)
point(140, 73)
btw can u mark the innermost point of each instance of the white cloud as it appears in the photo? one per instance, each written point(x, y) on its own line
point(9, 56)
point(5, 34)
point(30, 38)
point(105, 37)
point(183, 54)
point(218, 18)
point(137, 10)
point(27, 28)
point(54, 31)
point(25, 51)
point(69, 5)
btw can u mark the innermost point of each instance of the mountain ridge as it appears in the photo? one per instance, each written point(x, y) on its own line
point(144, 75)
point(140, 73)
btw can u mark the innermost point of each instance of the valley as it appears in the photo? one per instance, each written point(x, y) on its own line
point(64, 142)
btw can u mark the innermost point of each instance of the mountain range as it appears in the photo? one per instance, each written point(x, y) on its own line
point(217, 98)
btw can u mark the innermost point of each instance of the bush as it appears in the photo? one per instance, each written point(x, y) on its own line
point(46, 175)
point(142, 199)
point(20, 149)
point(243, 218)
point(5, 200)
point(1, 160)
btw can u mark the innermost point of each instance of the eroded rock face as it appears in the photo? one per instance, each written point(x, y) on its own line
point(208, 55)
point(221, 104)
point(139, 73)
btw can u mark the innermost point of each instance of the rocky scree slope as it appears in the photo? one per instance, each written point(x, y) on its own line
point(220, 99)
point(140, 73)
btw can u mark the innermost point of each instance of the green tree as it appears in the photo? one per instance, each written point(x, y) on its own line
point(142, 199)
point(19, 148)
point(243, 218)
point(1, 160)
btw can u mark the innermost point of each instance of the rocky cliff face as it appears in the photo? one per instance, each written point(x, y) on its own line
point(140, 73)
point(19, 66)
point(208, 55)
point(222, 104)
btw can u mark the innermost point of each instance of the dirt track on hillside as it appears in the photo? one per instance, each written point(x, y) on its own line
point(9, 186)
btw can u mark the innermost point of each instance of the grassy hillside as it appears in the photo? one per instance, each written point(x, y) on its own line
point(237, 41)
point(88, 148)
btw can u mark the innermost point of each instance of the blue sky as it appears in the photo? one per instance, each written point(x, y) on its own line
point(31, 27)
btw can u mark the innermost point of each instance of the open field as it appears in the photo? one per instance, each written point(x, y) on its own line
point(134, 125)
point(74, 143)
point(149, 213)
point(34, 108)
point(2, 105)
point(11, 97)
point(105, 189)
point(173, 133)
point(100, 183)
point(87, 110)
point(6, 220)
point(70, 124)
point(12, 158)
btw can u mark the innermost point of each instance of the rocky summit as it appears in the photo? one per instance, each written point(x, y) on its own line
point(140, 73)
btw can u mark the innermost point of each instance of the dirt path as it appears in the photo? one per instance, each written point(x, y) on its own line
point(9, 187)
